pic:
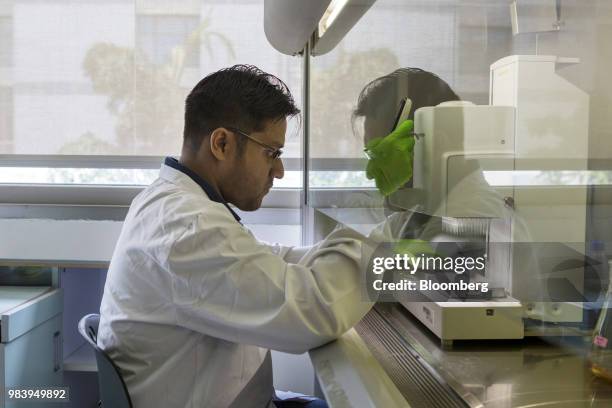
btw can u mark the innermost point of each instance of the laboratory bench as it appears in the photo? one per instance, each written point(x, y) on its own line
point(405, 358)
point(543, 370)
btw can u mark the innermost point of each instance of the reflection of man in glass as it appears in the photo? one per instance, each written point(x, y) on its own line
point(378, 104)
point(375, 115)
point(470, 201)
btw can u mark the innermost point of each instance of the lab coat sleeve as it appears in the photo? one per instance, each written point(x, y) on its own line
point(288, 253)
point(296, 254)
point(228, 285)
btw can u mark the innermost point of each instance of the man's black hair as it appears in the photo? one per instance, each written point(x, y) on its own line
point(242, 96)
point(380, 98)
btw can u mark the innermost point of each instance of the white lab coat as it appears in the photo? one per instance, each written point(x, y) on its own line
point(193, 300)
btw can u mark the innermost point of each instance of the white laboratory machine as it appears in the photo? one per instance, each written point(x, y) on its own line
point(483, 170)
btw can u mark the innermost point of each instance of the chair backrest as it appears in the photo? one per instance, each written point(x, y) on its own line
point(113, 392)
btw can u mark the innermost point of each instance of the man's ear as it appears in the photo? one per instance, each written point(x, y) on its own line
point(221, 143)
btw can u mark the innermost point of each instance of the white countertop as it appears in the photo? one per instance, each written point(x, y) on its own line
point(350, 376)
point(58, 242)
point(90, 243)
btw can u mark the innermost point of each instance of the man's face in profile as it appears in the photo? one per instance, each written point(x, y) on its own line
point(255, 170)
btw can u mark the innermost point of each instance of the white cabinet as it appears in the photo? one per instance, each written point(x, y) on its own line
point(30, 338)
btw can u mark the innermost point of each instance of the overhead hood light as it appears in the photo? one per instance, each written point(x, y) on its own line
point(330, 15)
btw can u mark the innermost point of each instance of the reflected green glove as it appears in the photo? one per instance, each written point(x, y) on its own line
point(390, 163)
point(413, 247)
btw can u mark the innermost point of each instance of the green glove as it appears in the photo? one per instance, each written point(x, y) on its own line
point(390, 163)
point(413, 247)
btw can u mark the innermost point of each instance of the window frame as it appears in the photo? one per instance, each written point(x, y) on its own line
point(122, 195)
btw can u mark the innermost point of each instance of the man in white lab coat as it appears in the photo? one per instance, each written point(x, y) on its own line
point(193, 301)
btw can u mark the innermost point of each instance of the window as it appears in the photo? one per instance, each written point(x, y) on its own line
point(88, 91)
point(6, 41)
point(6, 119)
point(161, 38)
point(105, 90)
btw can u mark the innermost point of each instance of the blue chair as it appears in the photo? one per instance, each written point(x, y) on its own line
point(113, 392)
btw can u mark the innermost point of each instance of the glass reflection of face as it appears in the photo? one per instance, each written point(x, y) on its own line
point(379, 120)
point(375, 126)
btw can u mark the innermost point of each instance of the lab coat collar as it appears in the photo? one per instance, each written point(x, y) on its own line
point(208, 189)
